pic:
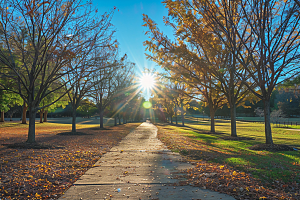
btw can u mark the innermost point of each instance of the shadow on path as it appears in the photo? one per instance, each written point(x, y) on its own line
point(140, 167)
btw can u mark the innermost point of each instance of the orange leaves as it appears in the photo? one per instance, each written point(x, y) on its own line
point(38, 196)
point(237, 184)
point(46, 174)
point(296, 163)
point(221, 177)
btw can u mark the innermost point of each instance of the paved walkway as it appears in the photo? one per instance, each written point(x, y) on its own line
point(140, 167)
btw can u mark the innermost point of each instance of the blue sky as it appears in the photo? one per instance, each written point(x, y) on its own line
point(128, 22)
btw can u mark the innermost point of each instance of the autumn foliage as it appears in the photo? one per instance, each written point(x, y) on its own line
point(212, 172)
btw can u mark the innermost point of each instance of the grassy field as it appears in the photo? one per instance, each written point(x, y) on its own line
point(287, 121)
point(275, 170)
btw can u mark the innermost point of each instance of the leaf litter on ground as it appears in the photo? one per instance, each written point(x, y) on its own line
point(47, 173)
point(221, 177)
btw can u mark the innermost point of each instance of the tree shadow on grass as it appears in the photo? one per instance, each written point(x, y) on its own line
point(272, 147)
point(46, 141)
point(247, 162)
point(201, 131)
point(71, 133)
point(25, 145)
point(98, 128)
point(236, 138)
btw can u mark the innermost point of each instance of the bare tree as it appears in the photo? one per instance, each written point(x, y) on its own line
point(82, 81)
point(44, 35)
point(112, 84)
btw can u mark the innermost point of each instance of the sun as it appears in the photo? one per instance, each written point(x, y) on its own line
point(147, 81)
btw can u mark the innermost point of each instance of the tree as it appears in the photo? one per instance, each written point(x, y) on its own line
point(43, 33)
point(112, 85)
point(126, 101)
point(182, 98)
point(188, 65)
point(267, 33)
point(288, 101)
point(206, 56)
point(87, 108)
point(4, 102)
point(276, 115)
point(62, 102)
point(164, 101)
point(86, 75)
point(8, 100)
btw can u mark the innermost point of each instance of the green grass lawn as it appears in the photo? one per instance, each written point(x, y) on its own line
point(265, 165)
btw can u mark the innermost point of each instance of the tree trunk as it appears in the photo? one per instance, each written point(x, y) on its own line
point(2, 116)
point(171, 120)
point(101, 110)
point(212, 120)
point(73, 119)
point(124, 120)
point(41, 115)
point(115, 121)
point(176, 117)
point(24, 113)
point(119, 120)
point(31, 129)
point(101, 119)
point(45, 115)
point(182, 116)
point(233, 120)
point(268, 132)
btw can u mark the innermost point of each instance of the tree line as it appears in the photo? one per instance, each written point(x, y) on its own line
point(225, 53)
point(54, 53)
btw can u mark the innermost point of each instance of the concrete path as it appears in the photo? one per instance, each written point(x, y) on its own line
point(140, 167)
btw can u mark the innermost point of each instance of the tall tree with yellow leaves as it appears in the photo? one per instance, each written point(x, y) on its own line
point(200, 58)
point(265, 40)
